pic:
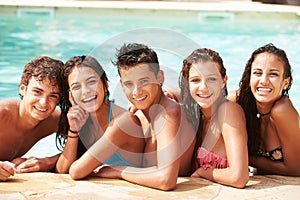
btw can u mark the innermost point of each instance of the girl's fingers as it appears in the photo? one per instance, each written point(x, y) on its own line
point(77, 117)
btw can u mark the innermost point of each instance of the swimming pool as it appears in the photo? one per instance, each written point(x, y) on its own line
point(29, 34)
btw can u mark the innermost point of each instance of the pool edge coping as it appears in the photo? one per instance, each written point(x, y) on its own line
point(221, 6)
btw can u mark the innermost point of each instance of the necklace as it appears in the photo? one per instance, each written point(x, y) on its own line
point(259, 115)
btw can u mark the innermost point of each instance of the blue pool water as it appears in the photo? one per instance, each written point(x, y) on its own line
point(173, 36)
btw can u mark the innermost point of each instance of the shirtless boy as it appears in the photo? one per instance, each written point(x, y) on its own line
point(24, 122)
point(169, 137)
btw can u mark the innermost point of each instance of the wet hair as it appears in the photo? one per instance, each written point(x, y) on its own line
point(247, 100)
point(190, 106)
point(76, 61)
point(130, 55)
point(42, 68)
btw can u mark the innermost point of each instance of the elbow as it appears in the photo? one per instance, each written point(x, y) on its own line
point(240, 180)
point(61, 171)
point(166, 183)
point(61, 168)
point(75, 173)
point(167, 187)
point(240, 184)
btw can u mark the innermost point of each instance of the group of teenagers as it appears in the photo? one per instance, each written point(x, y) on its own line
point(199, 130)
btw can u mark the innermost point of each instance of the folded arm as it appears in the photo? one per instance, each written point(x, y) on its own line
point(164, 174)
point(33, 164)
point(235, 139)
point(286, 121)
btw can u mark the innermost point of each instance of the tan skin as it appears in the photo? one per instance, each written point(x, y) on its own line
point(116, 138)
point(169, 144)
point(229, 140)
point(282, 126)
point(23, 123)
point(87, 97)
point(85, 83)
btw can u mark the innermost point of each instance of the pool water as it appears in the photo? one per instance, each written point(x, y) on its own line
point(23, 37)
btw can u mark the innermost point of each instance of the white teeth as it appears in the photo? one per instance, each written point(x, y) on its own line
point(264, 89)
point(39, 109)
point(140, 99)
point(204, 96)
point(89, 99)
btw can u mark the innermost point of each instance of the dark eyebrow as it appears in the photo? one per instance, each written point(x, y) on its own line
point(127, 82)
point(272, 69)
point(91, 77)
point(75, 83)
point(144, 78)
point(59, 93)
point(197, 76)
point(41, 90)
point(37, 88)
point(277, 70)
point(256, 69)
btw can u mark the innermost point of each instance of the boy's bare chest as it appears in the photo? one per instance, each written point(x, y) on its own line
point(14, 144)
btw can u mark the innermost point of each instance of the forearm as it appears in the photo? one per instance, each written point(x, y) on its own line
point(273, 167)
point(162, 179)
point(84, 166)
point(225, 176)
point(51, 162)
point(68, 156)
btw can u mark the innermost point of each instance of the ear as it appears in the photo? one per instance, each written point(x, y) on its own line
point(22, 89)
point(224, 81)
point(160, 77)
point(106, 84)
point(286, 83)
point(122, 84)
point(105, 87)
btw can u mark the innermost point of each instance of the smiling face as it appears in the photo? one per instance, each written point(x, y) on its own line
point(39, 98)
point(141, 86)
point(267, 81)
point(87, 88)
point(205, 83)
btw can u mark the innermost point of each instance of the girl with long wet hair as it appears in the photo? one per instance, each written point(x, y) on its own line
point(89, 113)
point(273, 124)
point(220, 153)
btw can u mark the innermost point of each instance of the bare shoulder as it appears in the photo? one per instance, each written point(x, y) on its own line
point(284, 108)
point(9, 104)
point(282, 104)
point(118, 110)
point(8, 108)
point(231, 108)
point(170, 105)
point(231, 113)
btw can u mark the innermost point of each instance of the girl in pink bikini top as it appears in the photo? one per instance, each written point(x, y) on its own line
point(219, 123)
